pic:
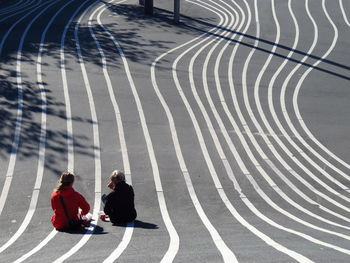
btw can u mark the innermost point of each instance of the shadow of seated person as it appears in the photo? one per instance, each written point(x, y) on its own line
point(96, 230)
point(138, 224)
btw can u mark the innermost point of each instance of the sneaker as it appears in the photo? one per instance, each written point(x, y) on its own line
point(103, 216)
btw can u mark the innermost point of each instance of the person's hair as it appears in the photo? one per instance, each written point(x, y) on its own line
point(117, 176)
point(66, 179)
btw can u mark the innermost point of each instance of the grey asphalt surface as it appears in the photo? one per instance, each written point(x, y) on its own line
point(291, 199)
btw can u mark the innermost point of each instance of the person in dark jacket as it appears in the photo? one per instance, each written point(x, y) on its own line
point(72, 201)
point(119, 204)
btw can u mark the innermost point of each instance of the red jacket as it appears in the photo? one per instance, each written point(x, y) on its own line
point(73, 201)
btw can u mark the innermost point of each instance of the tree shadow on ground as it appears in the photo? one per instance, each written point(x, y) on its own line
point(56, 140)
point(138, 47)
point(198, 25)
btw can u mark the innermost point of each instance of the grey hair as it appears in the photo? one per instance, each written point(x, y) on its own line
point(117, 176)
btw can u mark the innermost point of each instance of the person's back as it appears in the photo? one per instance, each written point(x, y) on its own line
point(72, 202)
point(119, 204)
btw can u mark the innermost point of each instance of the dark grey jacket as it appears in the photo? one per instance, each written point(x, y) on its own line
point(119, 204)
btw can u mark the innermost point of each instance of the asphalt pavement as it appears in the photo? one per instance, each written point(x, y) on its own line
point(232, 127)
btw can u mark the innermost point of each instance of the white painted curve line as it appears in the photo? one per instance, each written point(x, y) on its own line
point(261, 235)
point(27, 9)
point(282, 101)
point(16, 138)
point(268, 142)
point(45, 241)
point(122, 245)
point(343, 12)
point(226, 252)
point(15, 8)
point(259, 190)
point(253, 140)
point(40, 168)
point(97, 157)
point(256, 145)
point(320, 193)
point(289, 153)
point(229, 205)
point(169, 115)
point(174, 238)
point(299, 117)
point(38, 247)
point(254, 183)
point(298, 114)
point(130, 226)
point(308, 132)
point(15, 143)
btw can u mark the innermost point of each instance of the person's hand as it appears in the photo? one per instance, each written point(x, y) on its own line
point(111, 185)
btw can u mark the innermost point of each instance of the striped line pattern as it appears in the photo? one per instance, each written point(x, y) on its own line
point(231, 126)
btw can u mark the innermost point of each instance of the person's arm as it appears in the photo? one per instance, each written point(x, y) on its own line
point(53, 202)
point(108, 205)
point(85, 207)
point(132, 193)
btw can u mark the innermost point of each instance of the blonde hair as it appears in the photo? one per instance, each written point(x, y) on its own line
point(117, 176)
point(67, 178)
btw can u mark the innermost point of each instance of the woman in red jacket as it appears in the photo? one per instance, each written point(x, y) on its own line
point(72, 201)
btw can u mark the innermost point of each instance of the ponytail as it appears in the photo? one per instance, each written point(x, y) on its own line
point(66, 179)
point(60, 186)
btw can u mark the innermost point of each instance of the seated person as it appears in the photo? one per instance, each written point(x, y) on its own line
point(119, 204)
point(66, 203)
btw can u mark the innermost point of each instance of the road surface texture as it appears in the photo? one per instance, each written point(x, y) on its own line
point(232, 126)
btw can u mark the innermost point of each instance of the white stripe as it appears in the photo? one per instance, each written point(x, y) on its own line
point(69, 137)
point(13, 7)
point(298, 114)
point(299, 137)
point(227, 254)
point(15, 143)
point(280, 143)
point(174, 238)
point(17, 9)
point(38, 247)
point(211, 129)
point(177, 148)
point(97, 201)
point(343, 12)
point(9, 16)
point(225, 251)
point(216, 141)
point(40, 168)
point(291, 155)
point(130, 227)
point(122, 245)
point(268, 200)
point(87, 234)
point(268, 142)
point(284, 110)
point(255, 143)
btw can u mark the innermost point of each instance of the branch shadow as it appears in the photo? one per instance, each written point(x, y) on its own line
point(32, 107)
point(137, 47)
point(185, 24)
point(56, 140)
